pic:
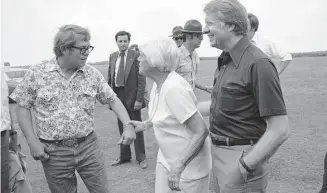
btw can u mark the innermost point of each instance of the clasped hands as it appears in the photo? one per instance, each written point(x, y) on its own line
point(130, 130)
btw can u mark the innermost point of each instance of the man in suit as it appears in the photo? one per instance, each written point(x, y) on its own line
point(129, 85)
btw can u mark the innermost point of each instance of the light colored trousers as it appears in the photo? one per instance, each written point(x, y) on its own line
point(224, 157)
point(187, 186)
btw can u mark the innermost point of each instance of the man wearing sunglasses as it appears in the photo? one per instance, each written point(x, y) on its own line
point(62, 94)
point(177, 35)
point(189, 59)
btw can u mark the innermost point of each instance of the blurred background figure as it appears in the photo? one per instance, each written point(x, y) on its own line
point(177, 35)
point(280, 57)
point(149, 82)
point(134, 47)
point(324, 182)
point(13, 163)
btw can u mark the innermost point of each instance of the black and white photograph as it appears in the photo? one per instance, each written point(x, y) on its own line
point(149, 96)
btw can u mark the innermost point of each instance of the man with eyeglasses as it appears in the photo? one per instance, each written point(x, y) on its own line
point(129, 85)
point(63, 94)
point(189, 59)
point(177, 35)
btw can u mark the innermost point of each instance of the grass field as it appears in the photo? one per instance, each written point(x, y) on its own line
point(296, 168)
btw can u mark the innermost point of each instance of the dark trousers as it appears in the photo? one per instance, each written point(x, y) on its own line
point(324, 182)
point(5, 161)
point(125, 150)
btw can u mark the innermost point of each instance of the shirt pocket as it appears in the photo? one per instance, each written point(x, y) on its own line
point(48, 100)
point(231, 99)
point(86, 100)
point(184, 69)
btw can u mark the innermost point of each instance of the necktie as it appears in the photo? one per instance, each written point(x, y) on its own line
point(120, 79)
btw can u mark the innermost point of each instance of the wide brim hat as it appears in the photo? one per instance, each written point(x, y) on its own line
point(192, 26)
point(177, 31)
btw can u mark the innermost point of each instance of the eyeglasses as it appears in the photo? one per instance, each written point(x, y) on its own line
point(84, 50)
point(178, 38)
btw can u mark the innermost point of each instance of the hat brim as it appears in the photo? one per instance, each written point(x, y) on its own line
point(175, 35)
point(196, 32)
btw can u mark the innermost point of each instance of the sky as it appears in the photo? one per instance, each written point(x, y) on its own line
point(28, 26)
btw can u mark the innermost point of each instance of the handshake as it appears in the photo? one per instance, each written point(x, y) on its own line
point(130, 130)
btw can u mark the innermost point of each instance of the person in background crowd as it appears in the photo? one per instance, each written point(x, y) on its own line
point(268, 47)
point(177, 35)
point(189, 59)
point(324, 182)
point(134, 47)
point(129, 85)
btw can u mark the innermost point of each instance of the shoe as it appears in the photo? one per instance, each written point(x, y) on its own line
point(144, 164)
point(118, 161)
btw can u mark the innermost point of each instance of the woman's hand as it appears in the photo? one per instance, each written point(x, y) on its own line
point(174, 175)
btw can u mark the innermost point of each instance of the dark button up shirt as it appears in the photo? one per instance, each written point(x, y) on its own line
point(246, 91)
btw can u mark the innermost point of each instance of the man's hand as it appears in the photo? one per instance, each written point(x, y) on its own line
point(138, 125)
point(237, 176)
point(128, 135)
point(174, 175)
point(137, 105)
point(39, 151)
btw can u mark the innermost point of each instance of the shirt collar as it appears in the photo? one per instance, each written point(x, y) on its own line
point(238, 50)
point(119, 52)
point(186, 52)
point(223, 59)
point(53, 65)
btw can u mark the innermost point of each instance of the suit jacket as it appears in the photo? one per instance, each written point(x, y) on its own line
point(134, 87)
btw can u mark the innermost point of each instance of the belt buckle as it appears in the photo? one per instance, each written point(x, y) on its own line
point(69, 142)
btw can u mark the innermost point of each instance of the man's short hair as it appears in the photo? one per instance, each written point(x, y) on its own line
point(67, 36)
point(254, 22)
point(123, 33)
point(231, 12)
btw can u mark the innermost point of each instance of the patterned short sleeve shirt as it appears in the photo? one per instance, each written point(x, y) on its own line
point(64, 108)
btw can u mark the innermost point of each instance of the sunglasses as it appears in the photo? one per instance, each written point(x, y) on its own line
point(178, 38)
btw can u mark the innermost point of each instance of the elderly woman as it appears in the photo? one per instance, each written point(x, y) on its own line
point(184, 159)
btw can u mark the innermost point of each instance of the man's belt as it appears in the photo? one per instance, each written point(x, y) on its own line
point(70, 142)
point(227, 141)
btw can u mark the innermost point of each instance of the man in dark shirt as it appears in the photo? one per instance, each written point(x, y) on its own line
point(248, 118)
